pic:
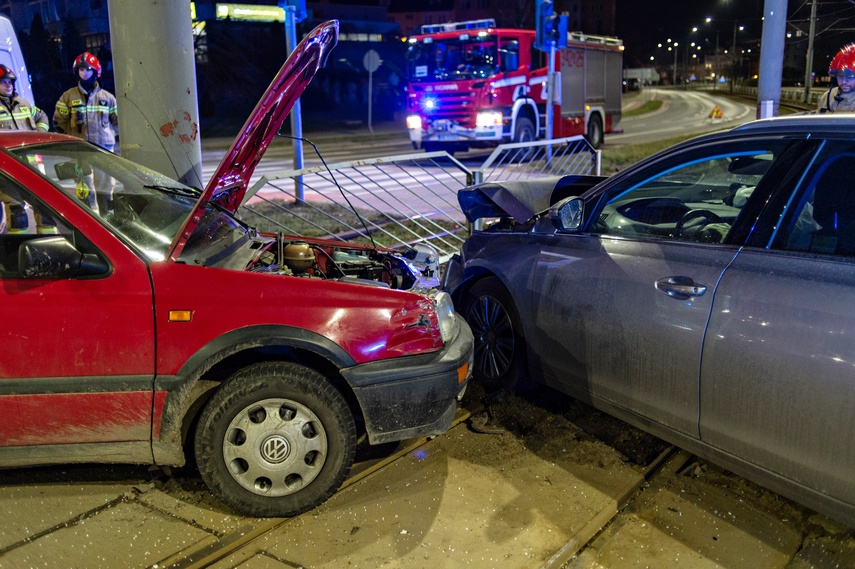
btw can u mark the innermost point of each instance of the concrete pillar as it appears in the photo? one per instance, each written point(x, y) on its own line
point(771, 58)
point(155, 70)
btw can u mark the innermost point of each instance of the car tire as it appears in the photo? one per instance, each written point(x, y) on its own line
point(595, 131)
point(500, 359)
point(275, 440)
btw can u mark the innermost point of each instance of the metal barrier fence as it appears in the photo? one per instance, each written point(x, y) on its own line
point(401, 200)
point(560, 157)
point(790, 95)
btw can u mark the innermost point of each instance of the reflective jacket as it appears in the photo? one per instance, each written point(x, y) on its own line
point(90, 116)
point(16, 113)
point(836, 101)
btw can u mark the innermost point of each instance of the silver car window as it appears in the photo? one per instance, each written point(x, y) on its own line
point(822, 217)
point(696, 198)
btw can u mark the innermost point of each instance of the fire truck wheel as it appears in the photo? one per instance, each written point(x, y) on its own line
point(524, 130)
point(595, 131)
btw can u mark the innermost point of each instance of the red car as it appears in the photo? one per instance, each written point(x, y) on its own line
point(160, 324)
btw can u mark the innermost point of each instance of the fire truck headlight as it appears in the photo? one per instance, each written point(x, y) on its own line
point(414, 122)
point(488, 119)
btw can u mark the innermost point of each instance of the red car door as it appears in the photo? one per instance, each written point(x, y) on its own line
point(78, 353)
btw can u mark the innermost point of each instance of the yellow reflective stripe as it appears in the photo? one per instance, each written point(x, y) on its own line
point(97, 108)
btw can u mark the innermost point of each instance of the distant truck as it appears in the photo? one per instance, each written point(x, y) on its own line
point(12, 57)
point(640, 77)
point(471, 84)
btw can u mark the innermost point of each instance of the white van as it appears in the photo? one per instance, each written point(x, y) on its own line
point(12, 57)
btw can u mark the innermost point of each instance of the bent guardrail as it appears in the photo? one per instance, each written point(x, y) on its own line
point(402, 200)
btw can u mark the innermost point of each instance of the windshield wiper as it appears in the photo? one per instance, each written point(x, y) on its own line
point(187, 192)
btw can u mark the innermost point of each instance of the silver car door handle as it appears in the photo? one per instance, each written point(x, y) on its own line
point(680, 287)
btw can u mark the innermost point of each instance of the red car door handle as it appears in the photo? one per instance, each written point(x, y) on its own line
point(680, 287)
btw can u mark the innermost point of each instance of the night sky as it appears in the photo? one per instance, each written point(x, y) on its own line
point(642, 25)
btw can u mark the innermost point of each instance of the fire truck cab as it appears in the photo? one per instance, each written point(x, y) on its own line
point(471, 84)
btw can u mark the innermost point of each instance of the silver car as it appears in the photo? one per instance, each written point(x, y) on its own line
point(707, 295)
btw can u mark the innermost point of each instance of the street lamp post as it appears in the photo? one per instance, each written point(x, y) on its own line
point(733, 55)
point(809, 56)
point(674, 80)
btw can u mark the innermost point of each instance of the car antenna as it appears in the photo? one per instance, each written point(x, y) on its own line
point(324, 162)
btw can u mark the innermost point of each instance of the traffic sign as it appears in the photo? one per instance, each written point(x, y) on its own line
point(371, 61)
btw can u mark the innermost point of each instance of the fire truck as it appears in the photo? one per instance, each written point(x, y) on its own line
point(471, 84)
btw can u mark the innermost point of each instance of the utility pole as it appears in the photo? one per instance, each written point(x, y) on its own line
point(716, 64)
point(733, 57)
point(809, 57)
point(674, 81)
point(771, 58)
point(156, 87)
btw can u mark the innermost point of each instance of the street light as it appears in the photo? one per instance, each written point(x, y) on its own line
point(674, 80)
point(733, 54)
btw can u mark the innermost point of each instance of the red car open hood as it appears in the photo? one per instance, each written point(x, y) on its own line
point(228, 185)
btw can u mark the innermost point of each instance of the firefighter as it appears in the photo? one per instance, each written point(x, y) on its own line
point(16, 113)
point(89, 112)
point(842, 70)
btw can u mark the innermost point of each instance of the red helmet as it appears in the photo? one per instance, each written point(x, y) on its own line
point(6, 73)
point(86, 59)
point(843, 64)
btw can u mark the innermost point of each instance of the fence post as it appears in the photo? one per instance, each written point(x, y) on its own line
point(477, 177)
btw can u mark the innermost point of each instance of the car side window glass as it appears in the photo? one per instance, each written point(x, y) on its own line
point(24, 217)
point(696, 198)
point(821, 216)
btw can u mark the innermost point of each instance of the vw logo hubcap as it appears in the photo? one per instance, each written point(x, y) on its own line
point(275, 449)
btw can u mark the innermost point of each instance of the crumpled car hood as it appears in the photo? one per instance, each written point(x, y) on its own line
point(231, 179)
point(521, 199)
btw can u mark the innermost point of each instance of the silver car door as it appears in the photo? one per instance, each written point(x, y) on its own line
point(621, 311)
point(778, 373)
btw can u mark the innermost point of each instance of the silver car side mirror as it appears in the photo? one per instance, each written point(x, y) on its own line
point(566, 215)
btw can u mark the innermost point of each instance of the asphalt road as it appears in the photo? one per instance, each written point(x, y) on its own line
point(682, 113)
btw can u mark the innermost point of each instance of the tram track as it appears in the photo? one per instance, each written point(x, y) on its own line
point(207, 552)
point(543, 484)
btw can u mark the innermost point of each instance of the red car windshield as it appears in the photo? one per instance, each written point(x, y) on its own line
point(142, 206)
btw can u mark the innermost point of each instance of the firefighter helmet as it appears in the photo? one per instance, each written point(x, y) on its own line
point(6, 73)
point(86, 59)
point(843, 64)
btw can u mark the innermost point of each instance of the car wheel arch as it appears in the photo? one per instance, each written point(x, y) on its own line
point(188, 390)
point(508, 367)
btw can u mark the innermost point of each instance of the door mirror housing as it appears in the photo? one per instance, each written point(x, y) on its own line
point(567, 215)
point(55, 257)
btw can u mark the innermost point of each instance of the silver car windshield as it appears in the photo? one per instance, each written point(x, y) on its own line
point(142, 206)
